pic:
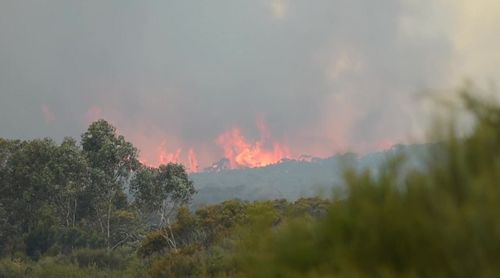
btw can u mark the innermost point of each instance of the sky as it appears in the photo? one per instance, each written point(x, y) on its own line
point(258, 81)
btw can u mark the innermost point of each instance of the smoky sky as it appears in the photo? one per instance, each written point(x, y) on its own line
point(325, 75)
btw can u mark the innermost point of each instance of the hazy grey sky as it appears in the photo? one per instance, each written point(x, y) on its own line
point(325, 75)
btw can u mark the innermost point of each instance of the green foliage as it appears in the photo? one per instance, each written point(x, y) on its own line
point(314, 207)
point(112, 160)
point(99, 258)
point(185, 263)
point(439, 222)
point(74, 238)
point(154, 243)
point(71, 179)
point(216, 221)
point(108, 152)
point(12, 268)
point(207, 239)
point(56, 267)
point(161, 191)
point(58, 198)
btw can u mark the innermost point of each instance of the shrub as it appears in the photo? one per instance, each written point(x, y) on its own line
point(12, 268)
point(99, 258)
point(154, 243)
point(438, 222)
point(185, 263)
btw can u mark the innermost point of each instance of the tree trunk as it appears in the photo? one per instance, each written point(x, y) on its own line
point(68, 212)
point(108, 220)
point(99, 218)
point(74, 213)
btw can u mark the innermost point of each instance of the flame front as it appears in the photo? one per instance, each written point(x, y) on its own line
point(242, 153)
point(239, 151)
point(193, 161)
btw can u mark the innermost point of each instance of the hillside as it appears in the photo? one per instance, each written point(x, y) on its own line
point(292, 179)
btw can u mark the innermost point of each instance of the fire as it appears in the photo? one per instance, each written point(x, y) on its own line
point(166, 157)
point(231, 149)
point(193, 161)
point(242, 153)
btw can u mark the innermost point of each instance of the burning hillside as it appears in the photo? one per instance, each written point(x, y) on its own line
point(238, 150)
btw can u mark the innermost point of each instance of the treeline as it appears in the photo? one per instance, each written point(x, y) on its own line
point(201, 243)
point(55, 198)
point(440, 220)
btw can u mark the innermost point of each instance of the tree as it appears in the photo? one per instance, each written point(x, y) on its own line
point(27, 188)
point(159, 192)
point(7, 221)
point(71, 178)
point(112, 160)
point(30, 179)
point(162, 190)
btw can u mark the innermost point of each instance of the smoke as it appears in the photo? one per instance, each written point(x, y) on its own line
point(174, 77)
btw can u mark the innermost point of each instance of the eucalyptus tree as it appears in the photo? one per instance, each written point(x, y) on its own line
point(159, 192)
point(71, 178)
point(27, 188)
point(8, 219)
point(112, 160)
point(30, 180)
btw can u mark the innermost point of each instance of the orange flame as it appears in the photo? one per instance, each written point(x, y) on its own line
point(163, 156)
point(242, 153)
point(193, 161)
point(166, 157)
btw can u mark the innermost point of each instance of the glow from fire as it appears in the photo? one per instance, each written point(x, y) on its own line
point(166, 157)
point(193, 161)
point(242, 153)
point(158, 147)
